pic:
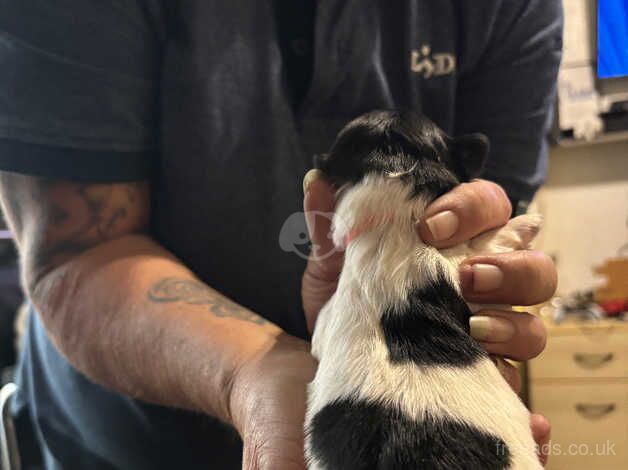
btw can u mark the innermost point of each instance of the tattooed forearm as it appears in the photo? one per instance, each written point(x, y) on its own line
point(196, 293)
point(54, 220)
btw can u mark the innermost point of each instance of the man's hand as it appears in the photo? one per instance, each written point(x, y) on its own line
point(518, 278)
point(268, 402)
point(114, 301)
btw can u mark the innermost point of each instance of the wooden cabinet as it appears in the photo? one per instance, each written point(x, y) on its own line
point(580, 383)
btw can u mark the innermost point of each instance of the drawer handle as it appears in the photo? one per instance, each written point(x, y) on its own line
point(590, 411)
point(592, 361)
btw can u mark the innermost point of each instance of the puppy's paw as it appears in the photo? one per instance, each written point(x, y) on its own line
point(517, 234)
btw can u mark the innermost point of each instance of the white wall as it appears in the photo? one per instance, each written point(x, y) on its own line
point(585, 204)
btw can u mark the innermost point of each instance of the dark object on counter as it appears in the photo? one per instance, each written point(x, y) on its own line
point(579, 303)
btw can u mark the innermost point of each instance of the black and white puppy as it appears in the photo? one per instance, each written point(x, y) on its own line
point(401, 384)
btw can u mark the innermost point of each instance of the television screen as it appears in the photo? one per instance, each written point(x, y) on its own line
point(612, 40)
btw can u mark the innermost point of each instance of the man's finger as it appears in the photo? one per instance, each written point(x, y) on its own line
point(541, 431)
point(516, 278)
point(318, 199)
point(464, 212)
point(516, 335)
point(325, 261)
point(319, 204)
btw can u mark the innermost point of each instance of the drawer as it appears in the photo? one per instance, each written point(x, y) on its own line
point(590, 354)
point(589, 424)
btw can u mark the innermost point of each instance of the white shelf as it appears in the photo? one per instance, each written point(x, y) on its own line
point(605, 138)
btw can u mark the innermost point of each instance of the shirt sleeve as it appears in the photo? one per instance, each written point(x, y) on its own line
point(78, 88)
point(509, 92)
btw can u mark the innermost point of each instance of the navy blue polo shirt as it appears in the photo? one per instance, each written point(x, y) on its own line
point(221, 104)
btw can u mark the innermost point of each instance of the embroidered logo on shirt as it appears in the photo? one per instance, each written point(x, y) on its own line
point(432, 65)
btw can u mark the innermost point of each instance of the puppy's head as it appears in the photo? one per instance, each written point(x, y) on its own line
point(406, 145)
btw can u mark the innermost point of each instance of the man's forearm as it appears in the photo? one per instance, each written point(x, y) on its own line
point(131, 317)
point(121, 308)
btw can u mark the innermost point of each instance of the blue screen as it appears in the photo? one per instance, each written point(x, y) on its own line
point(612, 55)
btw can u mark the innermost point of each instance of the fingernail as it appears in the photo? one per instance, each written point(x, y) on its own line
point(486, 277)
point(491, 329)
point(443, 225)
point(309, 178)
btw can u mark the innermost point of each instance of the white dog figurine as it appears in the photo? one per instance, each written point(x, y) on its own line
point(400, 383)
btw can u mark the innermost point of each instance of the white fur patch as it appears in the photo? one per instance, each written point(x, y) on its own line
point(381, 266)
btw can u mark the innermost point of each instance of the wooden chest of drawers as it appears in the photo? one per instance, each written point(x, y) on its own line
point(580, 383)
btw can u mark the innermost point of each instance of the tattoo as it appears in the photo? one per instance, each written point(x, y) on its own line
point(84, 215)
point(54, 220)
point(196, 293)
point(133, 191)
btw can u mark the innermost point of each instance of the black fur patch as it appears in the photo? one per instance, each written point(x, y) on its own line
point(368, 436)
point(432, 329)
point(386, 142)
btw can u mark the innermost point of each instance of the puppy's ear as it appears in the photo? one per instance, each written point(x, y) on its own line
point(320, 161)
point(468, 155)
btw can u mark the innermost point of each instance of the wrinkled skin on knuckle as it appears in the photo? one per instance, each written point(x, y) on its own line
point(265, 449)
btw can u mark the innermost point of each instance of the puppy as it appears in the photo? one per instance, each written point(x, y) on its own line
point(400, 383)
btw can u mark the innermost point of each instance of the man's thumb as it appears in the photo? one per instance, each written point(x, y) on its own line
point(318, 205)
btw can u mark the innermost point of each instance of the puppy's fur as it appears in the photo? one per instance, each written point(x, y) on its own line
point(400, 383)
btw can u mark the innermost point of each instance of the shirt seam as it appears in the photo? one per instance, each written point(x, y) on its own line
point(86, 140)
